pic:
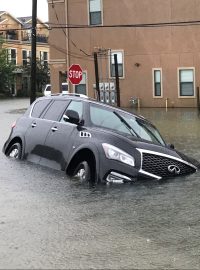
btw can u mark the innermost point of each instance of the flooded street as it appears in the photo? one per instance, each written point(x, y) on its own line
point(48, 221)
point(179, 126)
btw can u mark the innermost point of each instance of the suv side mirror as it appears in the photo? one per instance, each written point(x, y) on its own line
point(171, 146)
point(72, 117)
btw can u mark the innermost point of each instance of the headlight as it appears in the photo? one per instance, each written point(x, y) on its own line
point(115, 153)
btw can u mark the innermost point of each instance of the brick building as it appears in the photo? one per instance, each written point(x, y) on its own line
point(157, 62)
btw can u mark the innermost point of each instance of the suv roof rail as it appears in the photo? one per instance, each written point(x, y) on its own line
point(70, 94)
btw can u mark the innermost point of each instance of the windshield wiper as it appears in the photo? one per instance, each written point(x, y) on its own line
point(126, 124)
point(148, 130)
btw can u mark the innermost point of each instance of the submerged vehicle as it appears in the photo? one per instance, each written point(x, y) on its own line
point(93, 141)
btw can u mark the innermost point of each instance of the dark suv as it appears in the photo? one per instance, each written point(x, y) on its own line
point(93, 141)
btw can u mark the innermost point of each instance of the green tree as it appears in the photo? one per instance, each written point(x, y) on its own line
point(6, 71)
point(42, 74)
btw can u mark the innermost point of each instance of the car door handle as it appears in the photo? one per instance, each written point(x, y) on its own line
point(54, 129)
point(34, 125)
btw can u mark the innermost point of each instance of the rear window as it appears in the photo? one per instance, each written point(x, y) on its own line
point(39, 107)
point(48, 88)
point(64, 87)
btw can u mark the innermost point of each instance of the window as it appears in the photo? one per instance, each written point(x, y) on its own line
point(76, 106)
point(12, 56)
point(11, 34)
point(81, 88)
point(124, 123)
point(44, 58)
point(95, 16)
point(186, 82)
point(56, 110)
point(25, 57)
point(157, 83)
point(120, 61)
point(39, 108)
point(105, 118)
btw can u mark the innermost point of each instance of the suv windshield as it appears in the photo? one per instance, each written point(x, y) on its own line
point(143, 128)
point(124, 123)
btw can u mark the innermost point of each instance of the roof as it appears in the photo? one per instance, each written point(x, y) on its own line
point(94, 101)
point(5, 12)
point(1, 13)
point(24, 20)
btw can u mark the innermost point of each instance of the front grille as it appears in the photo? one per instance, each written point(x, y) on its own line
point(163, 166)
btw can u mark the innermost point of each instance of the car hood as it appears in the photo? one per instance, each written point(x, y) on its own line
point(143, 145)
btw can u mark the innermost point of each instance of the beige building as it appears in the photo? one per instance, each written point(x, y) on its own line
point(16, 33)
point(158, 60)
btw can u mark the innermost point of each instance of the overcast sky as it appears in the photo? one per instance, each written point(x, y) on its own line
point(19, 8)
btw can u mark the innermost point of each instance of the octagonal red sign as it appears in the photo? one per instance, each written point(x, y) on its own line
point(75, 74)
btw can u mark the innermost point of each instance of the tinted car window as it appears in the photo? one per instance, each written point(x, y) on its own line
point(39, 107)
point(55, 110)
point(106, 118)
point(64, 87)
point(143, 129)
point(123, 122)
point(48, 88)
point(76, 106)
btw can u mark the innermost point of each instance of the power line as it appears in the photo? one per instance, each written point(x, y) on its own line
point(65, 26)
point(73, 43)
point(143, 25)
point(75, 55)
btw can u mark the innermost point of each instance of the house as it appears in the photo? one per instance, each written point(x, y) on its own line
point(157, 45)
point(16, 33)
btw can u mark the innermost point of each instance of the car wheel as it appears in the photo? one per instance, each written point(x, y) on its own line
point(15, 151)
point(83, 172)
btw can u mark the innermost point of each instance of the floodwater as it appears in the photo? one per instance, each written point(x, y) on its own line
point(180, 126)
point(50, 222)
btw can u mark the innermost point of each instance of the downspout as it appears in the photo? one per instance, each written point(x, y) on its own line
point(67, 40)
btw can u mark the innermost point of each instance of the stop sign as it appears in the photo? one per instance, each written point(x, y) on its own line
point(75, 74)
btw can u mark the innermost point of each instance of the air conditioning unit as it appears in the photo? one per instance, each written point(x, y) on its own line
point(112, 86)
point(107, 86)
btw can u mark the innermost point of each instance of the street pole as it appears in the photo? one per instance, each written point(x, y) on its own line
point(33, 52)
point(117, 79)
point(96, 75)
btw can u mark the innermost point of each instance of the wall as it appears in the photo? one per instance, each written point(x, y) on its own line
point(152, 47)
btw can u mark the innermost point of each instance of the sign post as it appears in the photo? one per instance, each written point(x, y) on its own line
point(75, 74)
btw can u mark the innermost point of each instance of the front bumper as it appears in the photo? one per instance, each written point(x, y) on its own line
point(150, 165)
point(114, 177)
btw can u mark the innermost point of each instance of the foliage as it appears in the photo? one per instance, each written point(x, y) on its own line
point(7, 74)
point(21, 93)
point(6, 71)
point(39, 94)
point(42, 74)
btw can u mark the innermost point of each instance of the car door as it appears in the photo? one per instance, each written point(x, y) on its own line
point(37, 131)
point(60, 138)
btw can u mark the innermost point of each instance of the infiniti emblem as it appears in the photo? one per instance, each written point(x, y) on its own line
point(174, 169)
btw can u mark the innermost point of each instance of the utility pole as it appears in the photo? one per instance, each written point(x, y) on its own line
point(96, 75)
point(117, 79)
point(33, 52)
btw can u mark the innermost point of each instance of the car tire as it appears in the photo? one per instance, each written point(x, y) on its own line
point(15, 151)
point(83, 172)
